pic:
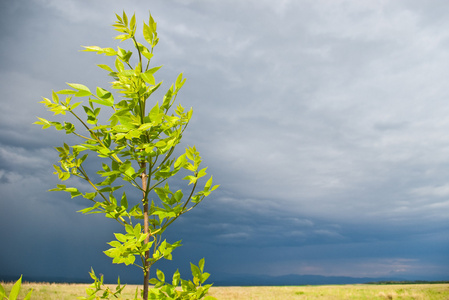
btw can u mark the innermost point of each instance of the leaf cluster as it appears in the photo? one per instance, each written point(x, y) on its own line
point(177, 289)
point(136, 145)
point(105, 292)
point(190, 289)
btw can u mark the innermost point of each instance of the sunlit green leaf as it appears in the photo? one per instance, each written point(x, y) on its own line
point(124, 201)
point(105, 97)
point(148, 78)
point(93, 48)
point(119, 65)
point(196, 272)
point(82, 89)
point(132, 23)
point(106, 67)
point(160, 275)
point(179, 82)
point(147, 34)
point(176, 278)
point(15, 289)
point(145, 126)
point(201, 264)
point(2, 292)
point(28, 296)
point(107, 102)
point(66, 92)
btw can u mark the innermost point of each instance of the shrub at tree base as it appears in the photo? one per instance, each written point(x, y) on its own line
point(136, 146)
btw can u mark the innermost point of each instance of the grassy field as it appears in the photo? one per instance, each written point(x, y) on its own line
point(52, 291)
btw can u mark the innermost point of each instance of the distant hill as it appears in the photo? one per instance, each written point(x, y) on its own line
point(263, 280)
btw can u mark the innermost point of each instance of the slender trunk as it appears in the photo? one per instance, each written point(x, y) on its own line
point(146, 266)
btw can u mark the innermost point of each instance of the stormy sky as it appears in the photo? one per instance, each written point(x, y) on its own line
point(326, 123)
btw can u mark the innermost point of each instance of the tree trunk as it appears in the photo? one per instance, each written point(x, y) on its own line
point(146, 266)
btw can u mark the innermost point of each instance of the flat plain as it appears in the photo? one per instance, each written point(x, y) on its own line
point(60, 291)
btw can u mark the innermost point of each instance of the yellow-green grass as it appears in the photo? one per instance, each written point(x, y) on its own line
point(53, 291)
point(424, 291)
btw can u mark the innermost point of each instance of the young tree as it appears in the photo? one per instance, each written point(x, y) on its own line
point(137, 147)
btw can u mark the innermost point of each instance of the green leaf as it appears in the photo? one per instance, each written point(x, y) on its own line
point(105, 96)
point(102, 102)
point(66, 92)
point(201, 265)
point(155, 115)
point(106, 67)
point(160, 275)
point(137, 229)
point(74, 105)
point(102, 93)
point(189, 153)
point(15, 289)
point(54, 97)
point(119, 65)
point(202, 173)
point(204, 277)
point(141, 238)
point(45, 124)
point(192, 179)
point(129, 260)
point(179, 82)
point(178, 195)
point(123, 54)
point(69, 127)
point(208, 184)
point(153, 27)
point(115, 244)
point(152, 89)
point(147, 34)
point(2, 292)
point(129, 229)
point(167, 98)
point(196, 272)
point(92, 48)
point(145, 52)
point(82, 89)
point(132, 23)
point(90, 196)
point(148, 78)
point(122, 37)
point(86, 210)
point(28, 296)
point(120, 237)
point(124, 201)
point(176, 278)
point(99, 50)
point(145, 126)
point(119, 18)
point(153, 70)
point(125, 19)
